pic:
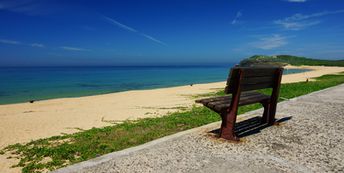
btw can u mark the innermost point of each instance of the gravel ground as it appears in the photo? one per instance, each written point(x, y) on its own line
point(309, 140)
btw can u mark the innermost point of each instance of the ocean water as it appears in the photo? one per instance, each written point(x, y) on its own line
point(21, 84)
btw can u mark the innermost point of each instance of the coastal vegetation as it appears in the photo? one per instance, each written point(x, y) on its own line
point(59, 151)
point(282, 60)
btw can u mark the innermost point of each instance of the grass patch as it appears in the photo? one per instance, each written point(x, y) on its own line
point(59, 151)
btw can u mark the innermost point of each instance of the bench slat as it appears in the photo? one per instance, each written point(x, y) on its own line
point(224, 106)
point(219, 104)
point(243, 94)
point(243, 100)
point(249, 87)
point(257, 80)
point(255, 72)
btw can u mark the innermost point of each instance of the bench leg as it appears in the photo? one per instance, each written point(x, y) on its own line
point(228, 125)
point(272, 113)
point(265, 118)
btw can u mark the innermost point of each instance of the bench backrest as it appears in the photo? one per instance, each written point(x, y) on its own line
point(253, 78)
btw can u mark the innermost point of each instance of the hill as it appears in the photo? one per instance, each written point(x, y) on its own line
point(282, 60)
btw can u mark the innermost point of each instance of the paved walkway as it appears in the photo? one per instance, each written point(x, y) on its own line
point(310, 139)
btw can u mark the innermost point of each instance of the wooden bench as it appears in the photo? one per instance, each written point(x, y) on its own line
point(241, 83)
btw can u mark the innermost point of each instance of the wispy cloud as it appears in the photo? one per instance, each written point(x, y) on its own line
point(37, 45)
point(116, 23)
point(153, 39)
point(301, 21)
point(296, 0)
point(270, 42)
point(236, 18)
point(73, 48)
point(303, 17)
point(29, 7)
point(293, 25)
point(15, 42)
point(4, 41)
point(131, 29)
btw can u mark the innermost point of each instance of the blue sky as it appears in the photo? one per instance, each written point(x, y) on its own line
point(166, 32)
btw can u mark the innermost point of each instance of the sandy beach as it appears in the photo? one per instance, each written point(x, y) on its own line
point(29, 121)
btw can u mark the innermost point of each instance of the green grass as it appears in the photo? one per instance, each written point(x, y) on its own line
point(59, 151)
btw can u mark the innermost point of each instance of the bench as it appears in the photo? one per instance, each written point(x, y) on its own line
point(241, 85)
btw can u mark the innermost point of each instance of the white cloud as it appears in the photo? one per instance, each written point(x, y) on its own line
point(237, 16)
point(114, 22)
point(74, 48)
point(270, 42)
point(4, 41)
point(296, 25)
point(296, 0)
point(29, 7)
point(128, 28)
point(153, 39)
point(299, 16)
point(301, 21)
point(37, 45)
point(14, 42)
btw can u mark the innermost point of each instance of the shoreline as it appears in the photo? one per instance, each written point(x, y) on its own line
point(22, 122)
point(63, 94)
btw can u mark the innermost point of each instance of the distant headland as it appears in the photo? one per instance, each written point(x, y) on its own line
point(283, 60)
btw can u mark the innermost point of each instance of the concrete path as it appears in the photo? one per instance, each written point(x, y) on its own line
point(310, 139)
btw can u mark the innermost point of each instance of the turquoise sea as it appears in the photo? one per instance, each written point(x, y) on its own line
point(21, 84)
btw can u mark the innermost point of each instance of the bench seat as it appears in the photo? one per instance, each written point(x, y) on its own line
point(222, 103)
